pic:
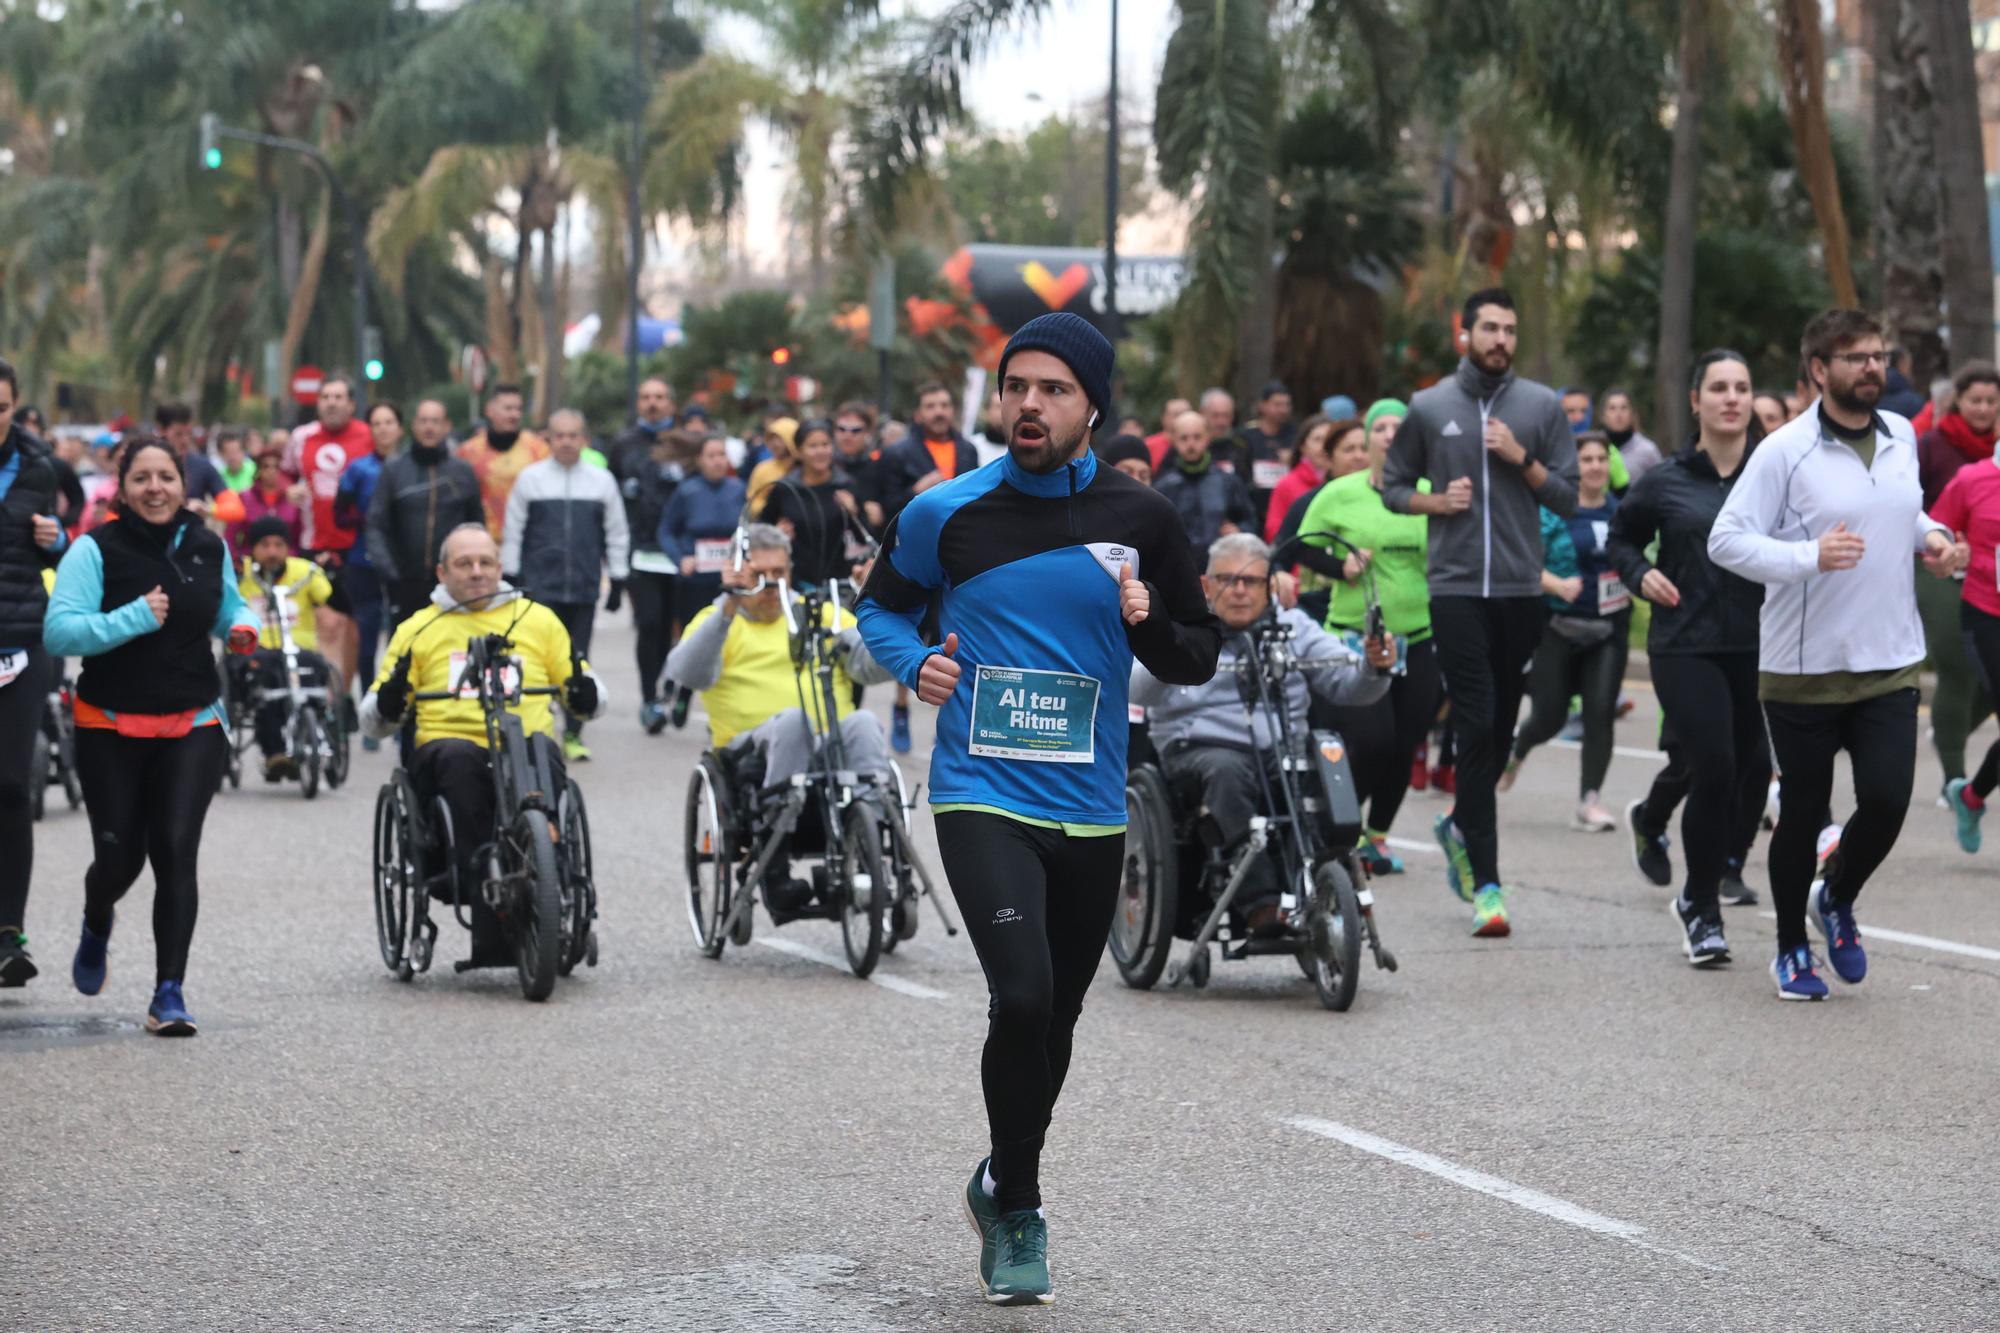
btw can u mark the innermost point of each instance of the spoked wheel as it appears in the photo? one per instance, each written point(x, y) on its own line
point(1333, 929)
point(72, 782)
point(339, 747)
point(711, 858)
point(579, 893)
point(399, 871)
point(1142, 929)
point(233, 755)
point(535, 913)
point(38, 773)
point(864, 897)
point(308, 738)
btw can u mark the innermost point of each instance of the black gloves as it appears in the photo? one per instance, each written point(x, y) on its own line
point(617, 597)
point(392, 696)
point(580, 694)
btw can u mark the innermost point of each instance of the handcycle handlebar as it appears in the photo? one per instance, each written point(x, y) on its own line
point(432, 696)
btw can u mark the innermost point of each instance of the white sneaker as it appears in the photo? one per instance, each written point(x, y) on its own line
point(1592, 817)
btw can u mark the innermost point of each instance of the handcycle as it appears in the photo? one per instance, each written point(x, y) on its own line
point(869, 878)
point(1177, 886)
point(316, 739)
point(536, 857)
point(55, 752)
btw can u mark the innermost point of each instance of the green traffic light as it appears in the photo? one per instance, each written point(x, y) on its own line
point(373, 370)
point(212, 159)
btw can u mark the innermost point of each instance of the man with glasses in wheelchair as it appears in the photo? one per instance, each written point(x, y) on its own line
point(428, 653)
point(1200, 731)
point(269, 566)
point(737, 654)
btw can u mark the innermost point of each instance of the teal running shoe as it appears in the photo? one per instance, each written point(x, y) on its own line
point(1489, 913)
point(1457, 865)
point(1958, 794)
point(983, 1211)
point(1021, 1263)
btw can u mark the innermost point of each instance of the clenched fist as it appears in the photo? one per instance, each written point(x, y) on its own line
point(939, 675)
point(1134, 601)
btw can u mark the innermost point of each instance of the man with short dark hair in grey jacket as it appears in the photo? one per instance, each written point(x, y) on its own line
point(1496, 450)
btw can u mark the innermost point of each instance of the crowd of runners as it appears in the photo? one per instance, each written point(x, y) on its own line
point(1480, 564)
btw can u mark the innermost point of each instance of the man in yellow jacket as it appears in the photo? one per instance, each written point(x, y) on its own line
point(428, 653)
point(282, 591)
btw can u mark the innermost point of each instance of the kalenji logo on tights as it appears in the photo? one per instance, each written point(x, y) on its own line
point(1006, 916)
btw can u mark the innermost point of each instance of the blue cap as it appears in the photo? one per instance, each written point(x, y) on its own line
point(1071, 340)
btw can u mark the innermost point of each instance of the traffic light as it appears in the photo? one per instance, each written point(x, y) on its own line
point(371, 347)
point(211, 141)
point(781, 356)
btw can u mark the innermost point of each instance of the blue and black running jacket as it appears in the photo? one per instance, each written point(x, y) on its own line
point(1025, 567)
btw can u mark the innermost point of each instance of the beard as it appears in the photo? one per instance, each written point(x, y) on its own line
point(1860, 396)
point(1046, 454)
point(1495, 360)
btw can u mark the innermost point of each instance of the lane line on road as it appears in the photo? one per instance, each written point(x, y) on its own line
point(1408, 845)
point(1534, 1201)
point(1626, 751)
point(1920, 941)
point(900, 985)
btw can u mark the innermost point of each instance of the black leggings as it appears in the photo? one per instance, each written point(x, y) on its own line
point(1381, 737)
point(21, 702)
point(1982, 645)
point(1037, 903)
point(1483, 647)
point(1718, 732)
point(1565, 669)
point(147, 799)
point(653, 616)
point(1880, 737)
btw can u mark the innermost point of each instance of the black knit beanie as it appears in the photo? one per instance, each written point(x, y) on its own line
point(1126, 448)
point(270, 525)
point(1071, 340)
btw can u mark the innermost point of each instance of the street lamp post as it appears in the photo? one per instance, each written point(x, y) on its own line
point(213, 129)
point(1111, 184)
point(636, 236)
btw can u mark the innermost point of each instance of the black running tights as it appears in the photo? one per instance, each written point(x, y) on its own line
point(1718, 730)
point(147, 800)
point(21, 702)
point(1037, 903)
point(1383, 736)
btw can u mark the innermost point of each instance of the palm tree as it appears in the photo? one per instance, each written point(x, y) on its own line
point(1968, 246)
point(1802, 75)
point(1909, 214)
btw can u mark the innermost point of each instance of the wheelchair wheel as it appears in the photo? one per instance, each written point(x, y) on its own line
point(535, 915)
point(339, 749)
point(1142, 931)
point(233, 757)
point(1334, 931)
point(711, 856)
point(903, 902)
point(579, 894)
point(72, 782)
point(864, 896)
point(399, 873)
point(38, 773)
point(308, 737)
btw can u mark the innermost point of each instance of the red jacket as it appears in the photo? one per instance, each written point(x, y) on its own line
point(1302, 478)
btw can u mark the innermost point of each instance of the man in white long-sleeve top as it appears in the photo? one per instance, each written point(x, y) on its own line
point(1827, 514)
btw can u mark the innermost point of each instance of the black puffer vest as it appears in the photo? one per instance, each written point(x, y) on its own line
point(171, 670)
point(22, 598)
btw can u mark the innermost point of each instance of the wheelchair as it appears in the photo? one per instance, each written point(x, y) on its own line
point(1180, 882)
point(856, 826)
point(536, 857)
point(55, 753)
point(316, 739)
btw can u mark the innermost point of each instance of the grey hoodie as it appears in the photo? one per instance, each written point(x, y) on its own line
point(1215, 714)
point(1493, 549)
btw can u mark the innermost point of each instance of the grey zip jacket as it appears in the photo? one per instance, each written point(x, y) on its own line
point(1215, 714)
point(1493, 549)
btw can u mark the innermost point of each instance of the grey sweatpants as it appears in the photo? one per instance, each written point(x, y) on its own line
point(788, 746)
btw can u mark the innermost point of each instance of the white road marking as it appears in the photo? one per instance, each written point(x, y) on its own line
point(900, 985)
point(1625, 751)
point(1406, 845)
point(1549, 1206)
point(1869, 932)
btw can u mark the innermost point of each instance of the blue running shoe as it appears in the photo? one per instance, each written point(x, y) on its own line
point(1843, 937)
point(1457, 865)
point(1958, 794)
point(899, 728)
point(168, 1015)
point(1793, 971)
point(93, 961)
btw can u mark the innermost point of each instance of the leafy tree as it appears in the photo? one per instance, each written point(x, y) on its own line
point(1045, 187)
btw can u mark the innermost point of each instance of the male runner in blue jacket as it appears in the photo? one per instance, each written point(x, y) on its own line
point(1053, 573)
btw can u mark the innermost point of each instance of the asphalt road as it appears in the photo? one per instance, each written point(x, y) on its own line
point(1566, 1129)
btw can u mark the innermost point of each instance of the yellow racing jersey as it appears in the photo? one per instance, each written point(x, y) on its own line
point(759, 679)
point(436, 643)
point(309, 588)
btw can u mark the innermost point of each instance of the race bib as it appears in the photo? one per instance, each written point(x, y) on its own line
point(1266, 473)
point(12, 664)
point(653, 562)
point(711, 554)
point(1045, 717)
point(1611, 594)
point(1226, 465)
point(511, 674)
